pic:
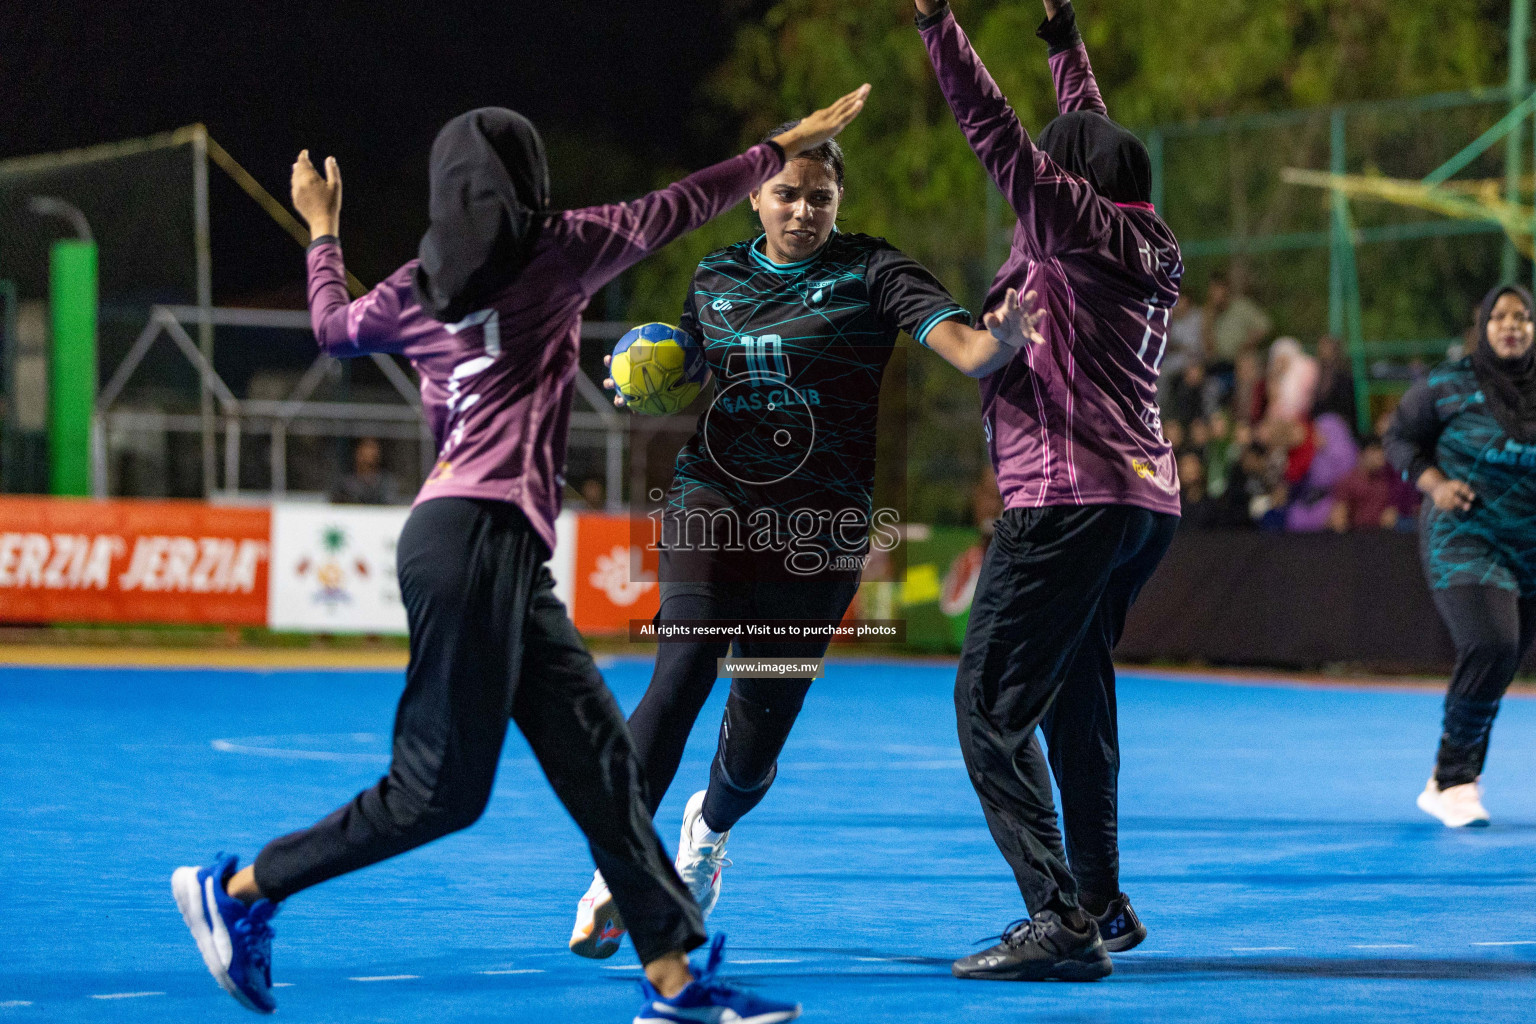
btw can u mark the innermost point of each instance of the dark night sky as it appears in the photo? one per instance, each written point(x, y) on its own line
point(614, 86)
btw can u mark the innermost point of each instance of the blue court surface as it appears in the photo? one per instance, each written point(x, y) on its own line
point(1269, 836)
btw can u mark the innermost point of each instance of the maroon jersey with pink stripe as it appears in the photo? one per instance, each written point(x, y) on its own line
point(1073, 421)
point(497, 385)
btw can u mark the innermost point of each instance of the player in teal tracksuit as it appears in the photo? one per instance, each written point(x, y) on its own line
point(1466, 437)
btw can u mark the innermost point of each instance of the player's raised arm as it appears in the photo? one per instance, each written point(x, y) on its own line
point(342, 327)
point(613, 238)
point(979, 353)
point(991, 127)
point(1076, 88)
point(1066, 186)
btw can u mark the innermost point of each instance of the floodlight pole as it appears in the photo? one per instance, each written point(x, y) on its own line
point(201, 243)
point(1519, 85)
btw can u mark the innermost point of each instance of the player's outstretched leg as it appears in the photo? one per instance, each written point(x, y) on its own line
point(759, 714)
point(464, 575)
point(577, 732)
point(681, 681)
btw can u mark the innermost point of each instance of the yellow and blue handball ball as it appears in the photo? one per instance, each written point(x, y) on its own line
point(658, 368)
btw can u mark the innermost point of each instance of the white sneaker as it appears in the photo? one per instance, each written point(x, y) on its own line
point(701, 855)
point(599, 930)
point(1456, 806)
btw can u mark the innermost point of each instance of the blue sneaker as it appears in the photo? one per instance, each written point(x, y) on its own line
point(235, 939)
point(708, 1000)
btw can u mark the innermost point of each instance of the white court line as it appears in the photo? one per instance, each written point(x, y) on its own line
point(1514, 942)
point(763, 961)
point(1382, 945)
point(16, 1002)
point(1260, 949)
point(387, 977)
point(282, 984)
point(621, 967)
point(867, 960)
point(231, 747)
point(127, 995)
point(524, 970)
point(924, 766)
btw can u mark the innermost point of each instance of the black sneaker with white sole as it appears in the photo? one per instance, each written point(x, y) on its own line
point(1119, 926)
point(1039, 950)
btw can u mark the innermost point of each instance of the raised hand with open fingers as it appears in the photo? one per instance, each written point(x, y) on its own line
point(825, 123)
point(317, 199)
point(1016, 323)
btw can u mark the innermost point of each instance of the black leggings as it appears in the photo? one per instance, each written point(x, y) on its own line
point(758, 713)
point(1049, 608)
point(490, 640)
point(1492, 628)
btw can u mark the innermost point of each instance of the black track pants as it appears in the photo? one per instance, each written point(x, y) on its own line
point(1493, 629)
point(489, 641)
point(1049, 608)
point(759, 713)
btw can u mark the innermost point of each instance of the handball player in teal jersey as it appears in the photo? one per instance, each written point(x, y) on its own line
point(769, 516)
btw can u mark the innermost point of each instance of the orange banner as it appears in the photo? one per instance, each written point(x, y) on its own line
point(609, 587)
point(78, 560)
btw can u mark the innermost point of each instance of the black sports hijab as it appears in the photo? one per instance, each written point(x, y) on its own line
point(489, 194)
point(1089, 145)
point(1509, 385)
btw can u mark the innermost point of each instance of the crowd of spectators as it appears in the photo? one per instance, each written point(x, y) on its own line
point(1265, 432)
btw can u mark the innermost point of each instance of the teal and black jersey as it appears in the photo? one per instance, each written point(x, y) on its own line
point(798, 351)
point(1445, 422)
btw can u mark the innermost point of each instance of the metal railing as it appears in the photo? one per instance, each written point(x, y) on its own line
point(298, 413)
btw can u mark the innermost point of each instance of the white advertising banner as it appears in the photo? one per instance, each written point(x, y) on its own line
point(332, 569)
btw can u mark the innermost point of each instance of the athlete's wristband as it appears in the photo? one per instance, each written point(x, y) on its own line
point(322, 240)
point(925, 21)
point(783, 157)
point(1060, 32)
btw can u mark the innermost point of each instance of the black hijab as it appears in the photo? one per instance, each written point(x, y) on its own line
point(1091, 146)
point(489, 193)
point(1509, 385)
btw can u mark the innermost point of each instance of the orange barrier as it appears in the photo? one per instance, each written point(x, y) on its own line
point(79, 560)
point(608, 586)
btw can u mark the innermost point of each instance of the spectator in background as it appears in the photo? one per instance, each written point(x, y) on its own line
point(593, 494)
point(1335, 381)
point(1248, 388)
point(1334, 455)
point(1290, 385)
point(1173, 433)
point(1186, 346)
point(1184, 397)
point(1199, 511)
point(1234, 323)
point(368, 484)
point(1221, 452)
point(1254, 488)
point(1366, 498)
point(1197, 436)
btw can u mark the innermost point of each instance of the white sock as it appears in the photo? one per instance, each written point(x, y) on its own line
point(704, 836)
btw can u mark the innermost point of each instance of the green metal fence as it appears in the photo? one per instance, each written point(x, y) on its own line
point(1394, 283)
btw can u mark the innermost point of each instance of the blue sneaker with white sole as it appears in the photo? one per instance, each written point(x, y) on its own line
point(708, 1000)
point(235, 939)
